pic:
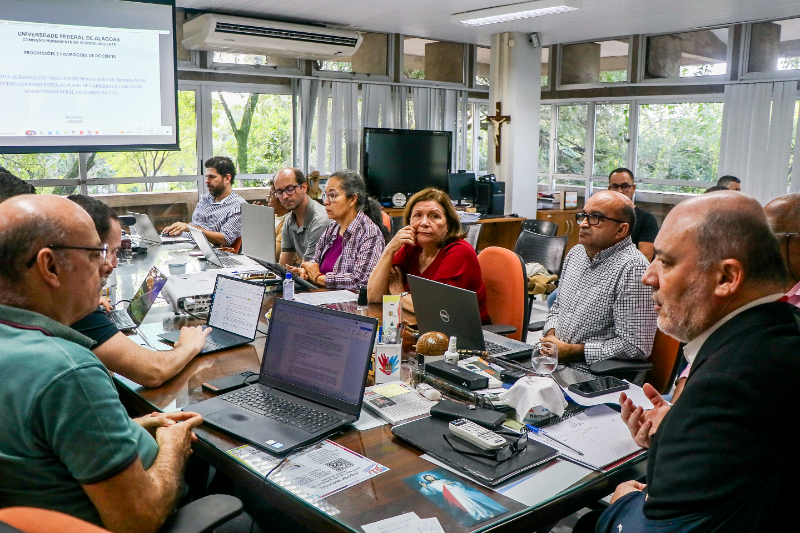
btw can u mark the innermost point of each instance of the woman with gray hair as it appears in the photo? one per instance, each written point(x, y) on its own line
point(354, 240)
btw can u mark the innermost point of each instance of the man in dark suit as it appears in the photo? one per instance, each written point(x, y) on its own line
point(724, 457)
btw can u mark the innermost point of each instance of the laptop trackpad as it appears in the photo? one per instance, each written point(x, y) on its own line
point(230, 418)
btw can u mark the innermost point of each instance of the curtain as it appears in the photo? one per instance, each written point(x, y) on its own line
point(308, 102)
point(757, 123)
point(442, 110)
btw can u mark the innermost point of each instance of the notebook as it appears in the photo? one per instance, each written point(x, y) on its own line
point(142, 301)
point(426, 434)
point(233, 315)
point(311, 383)
point(454, 312)
point(598, 432)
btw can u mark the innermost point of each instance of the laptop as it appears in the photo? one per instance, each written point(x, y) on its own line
point(145, 229)
point(218, 257)
point(258, 232)
point(455, 312)
point(311, 382)
point(142, 301)
point(233, 314)
point(258, 241)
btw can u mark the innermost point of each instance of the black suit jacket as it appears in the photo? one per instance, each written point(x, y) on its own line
point(729, 446)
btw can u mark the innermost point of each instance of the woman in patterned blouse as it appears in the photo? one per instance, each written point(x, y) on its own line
point(351, 246)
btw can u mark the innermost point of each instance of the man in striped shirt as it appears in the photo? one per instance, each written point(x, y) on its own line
point(218, 214)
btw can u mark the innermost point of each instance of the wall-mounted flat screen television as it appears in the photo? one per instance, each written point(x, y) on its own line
point(87, 75)
point(405, 161)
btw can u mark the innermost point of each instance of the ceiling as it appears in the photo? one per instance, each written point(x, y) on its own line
point(597, 19)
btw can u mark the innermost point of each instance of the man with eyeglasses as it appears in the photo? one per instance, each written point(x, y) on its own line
point(603, 310)
point(646, 229)
point(219, 213)
point(306, 222)
point(117, 352)
point(67, 443)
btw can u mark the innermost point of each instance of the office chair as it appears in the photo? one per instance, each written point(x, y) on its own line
point(503, 274)
point(542, 227)
point(237, 245)
point(397, 223)
point(200, 516)
point(547, 251)
point(662, 365)
point(387, 221)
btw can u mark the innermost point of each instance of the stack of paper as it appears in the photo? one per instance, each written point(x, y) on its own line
point(405, 523)
point(599, 433)
point(468, 218)
point(396, 401)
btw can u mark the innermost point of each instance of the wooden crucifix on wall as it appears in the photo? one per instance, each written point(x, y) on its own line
point(497, 121)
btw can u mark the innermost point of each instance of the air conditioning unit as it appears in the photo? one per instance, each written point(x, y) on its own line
point(223, 33)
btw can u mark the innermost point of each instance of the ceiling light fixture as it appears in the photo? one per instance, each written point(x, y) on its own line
point(525, 10)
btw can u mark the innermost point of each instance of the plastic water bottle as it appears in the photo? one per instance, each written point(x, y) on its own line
point(288, 287)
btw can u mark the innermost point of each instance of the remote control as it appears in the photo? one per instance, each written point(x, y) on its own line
point(477, 435)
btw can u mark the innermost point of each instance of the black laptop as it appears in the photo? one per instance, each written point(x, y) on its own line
point(455, 312)
point(233, 315)
point(311, 383)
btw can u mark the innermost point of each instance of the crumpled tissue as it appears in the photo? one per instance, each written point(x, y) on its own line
point(531, 391)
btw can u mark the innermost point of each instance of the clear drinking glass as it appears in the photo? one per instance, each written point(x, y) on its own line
point(544, 358)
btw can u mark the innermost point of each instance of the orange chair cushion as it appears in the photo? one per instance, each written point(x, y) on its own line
point(662, 357)
point(501, 270)
point(32, 520)
point(237, 245)
point(387, 220)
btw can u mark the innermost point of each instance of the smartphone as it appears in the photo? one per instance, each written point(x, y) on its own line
point(598, 386)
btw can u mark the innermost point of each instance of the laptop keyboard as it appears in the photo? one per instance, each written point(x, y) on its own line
point(122, 320)
point(229, 261)
point(282, 410)
point(220, 338)
point(493, 348)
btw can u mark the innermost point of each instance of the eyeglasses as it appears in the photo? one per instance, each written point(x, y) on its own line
point(101, 251)
point(515, 443)
point(625, 187)
point(331, 196)
point(593, 219)
point(290, 190)
point(788, 237)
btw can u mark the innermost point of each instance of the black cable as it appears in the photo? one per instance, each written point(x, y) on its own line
point(119, 302)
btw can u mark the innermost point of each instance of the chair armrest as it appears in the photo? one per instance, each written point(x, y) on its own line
point(623, 369)
point(203, 515)
point(500, 329)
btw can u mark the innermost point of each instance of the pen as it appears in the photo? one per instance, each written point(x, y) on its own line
point(541, 432)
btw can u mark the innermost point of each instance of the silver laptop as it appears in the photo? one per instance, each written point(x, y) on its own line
point(218, 257)
point(233, 315)
point(455, 312)
point(142, 301)
point(258, 232)
point(311, 383)
point(145, 229)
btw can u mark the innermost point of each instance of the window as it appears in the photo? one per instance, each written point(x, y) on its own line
point(477, 137)
point(679, 142)
point(424, 59)
point(687, 55)
point(483, 54)
point(545, 67)
point(254, 130)
point(597, 62)
point(774, 46)
point(181, 162)
point(545, 118)
point(253, 60)
point(370, 58)
point(610, 138)
point(45, 166)
point(571, 139)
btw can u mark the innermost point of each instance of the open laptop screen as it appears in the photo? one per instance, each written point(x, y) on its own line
point(318, 351)
point(236, 306)
point(148, 292)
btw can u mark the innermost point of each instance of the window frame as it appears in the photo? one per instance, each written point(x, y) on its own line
point(336, 75)
point(744, 58)
point(689, 80)
point(556, 74)
point(465, 82)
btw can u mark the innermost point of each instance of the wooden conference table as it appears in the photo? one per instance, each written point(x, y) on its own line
point(383, 496)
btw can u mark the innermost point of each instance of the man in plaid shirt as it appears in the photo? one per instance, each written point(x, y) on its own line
point(603, 310)
point(219, 213)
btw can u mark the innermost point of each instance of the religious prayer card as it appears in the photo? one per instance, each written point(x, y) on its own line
point(467, 505)
point(314, 473)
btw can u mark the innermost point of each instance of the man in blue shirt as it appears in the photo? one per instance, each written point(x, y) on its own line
point(67, 443)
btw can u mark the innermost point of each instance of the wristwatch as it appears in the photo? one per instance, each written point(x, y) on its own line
point(404, 294)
